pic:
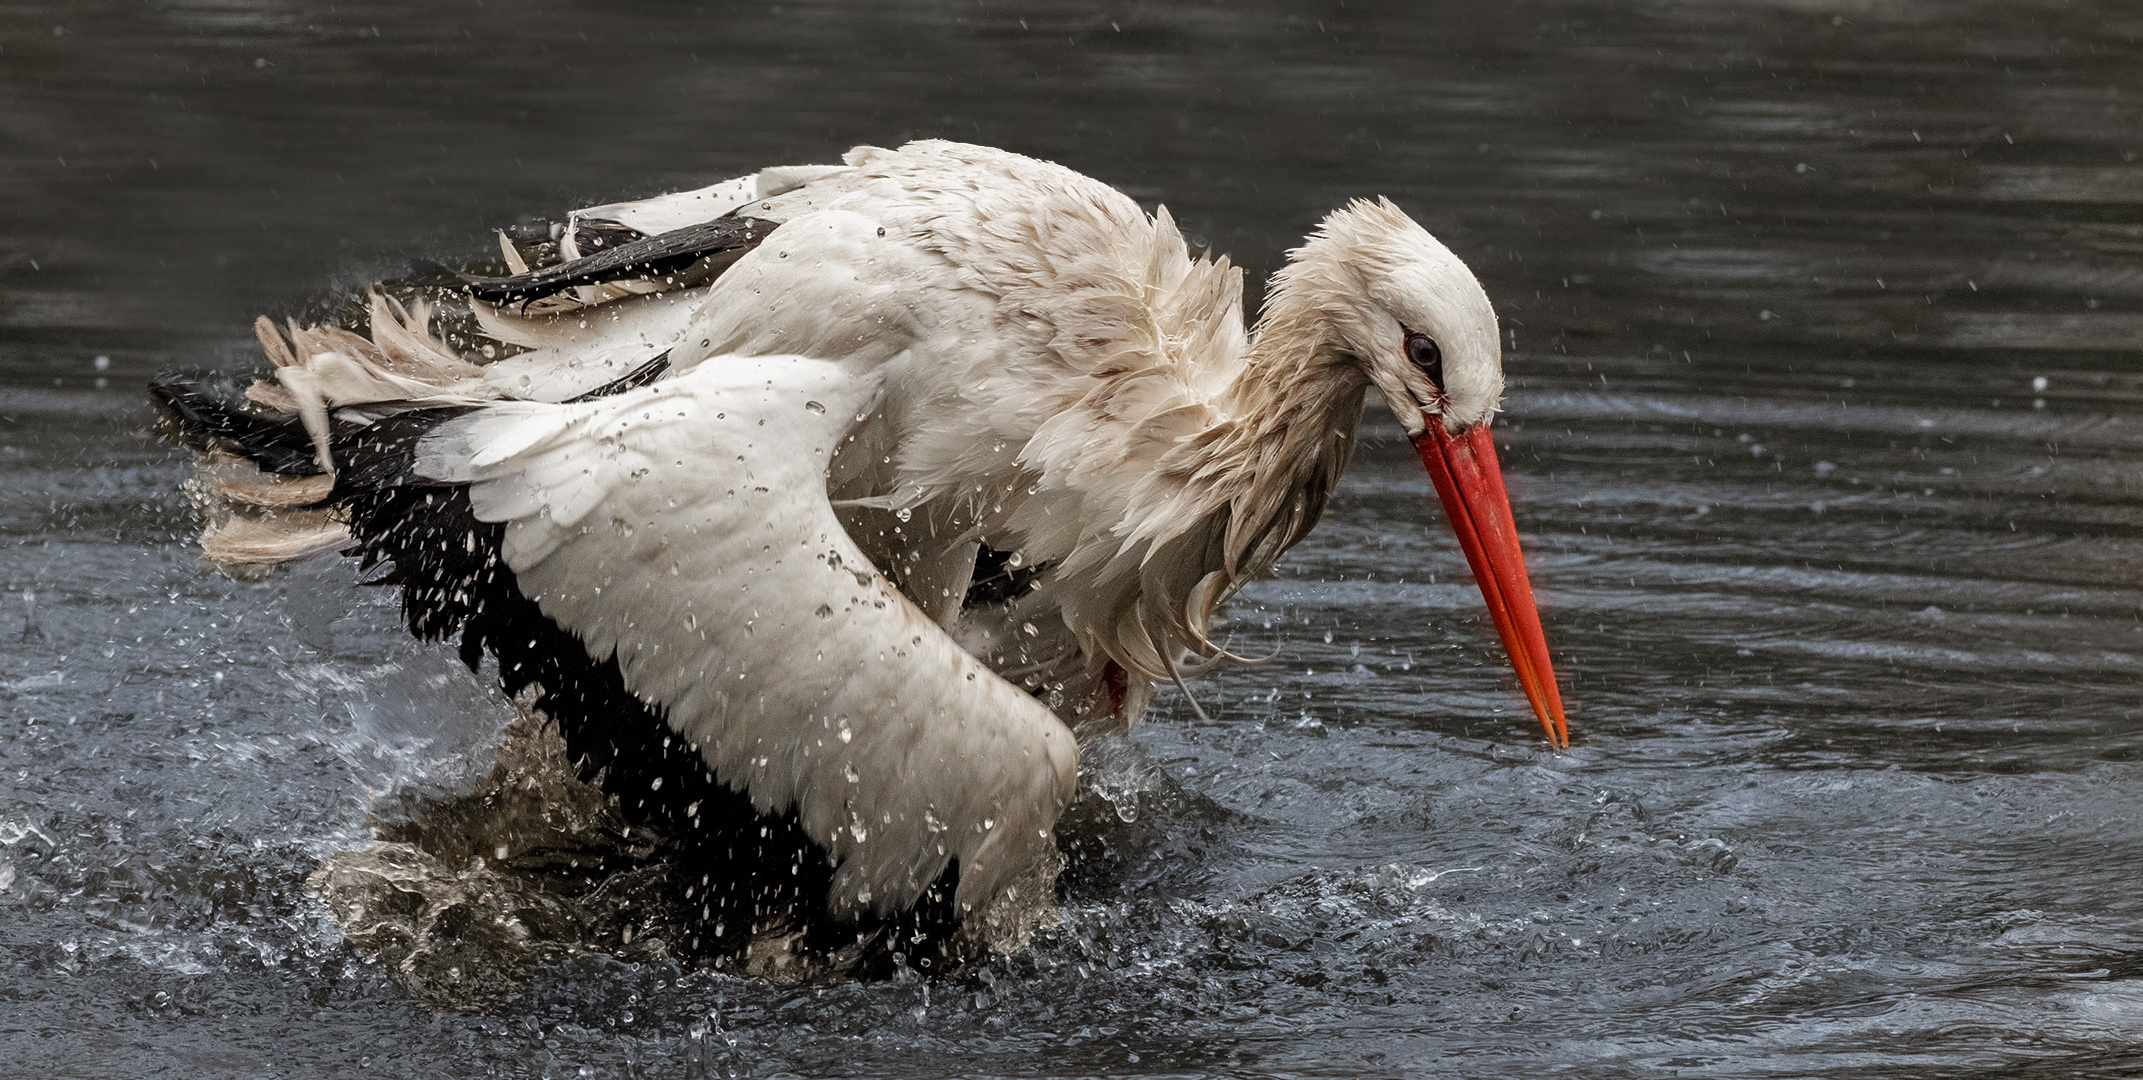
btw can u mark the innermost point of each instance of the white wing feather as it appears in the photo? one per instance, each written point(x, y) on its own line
point(685, 527)
point(573, 353)
point(664, 213)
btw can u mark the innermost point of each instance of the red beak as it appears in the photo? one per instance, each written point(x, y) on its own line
point(1470, 482)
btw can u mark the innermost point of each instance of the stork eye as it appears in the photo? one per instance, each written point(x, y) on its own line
point(1426, 357)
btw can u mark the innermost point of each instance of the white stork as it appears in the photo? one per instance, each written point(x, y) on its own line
point(738, 477)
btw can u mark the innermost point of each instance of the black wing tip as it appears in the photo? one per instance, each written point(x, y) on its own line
point(650, 256)
point(632, 380)
point(424, 273)
point(205, 421)
point(188, 413)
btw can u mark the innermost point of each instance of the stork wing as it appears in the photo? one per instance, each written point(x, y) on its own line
point(685, 528)
point(648, 256)
point(676, 210)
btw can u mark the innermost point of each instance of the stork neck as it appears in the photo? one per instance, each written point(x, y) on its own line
point(1296, 402)
point(1252, 484)
point(1297, 374)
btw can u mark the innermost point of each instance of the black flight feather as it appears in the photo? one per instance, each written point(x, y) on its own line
point(652, 256)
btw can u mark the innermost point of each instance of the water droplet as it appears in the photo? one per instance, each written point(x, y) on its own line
point(813, 406)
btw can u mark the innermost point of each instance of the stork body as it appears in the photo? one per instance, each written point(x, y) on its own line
point(859, 379)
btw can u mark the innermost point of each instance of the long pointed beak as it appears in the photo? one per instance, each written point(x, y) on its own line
point(1470, 482)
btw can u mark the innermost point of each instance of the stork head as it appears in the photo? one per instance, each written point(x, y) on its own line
point(1395, 301)
point(1372, 288)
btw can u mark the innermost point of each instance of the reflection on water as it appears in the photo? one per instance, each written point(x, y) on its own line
point(1826, 321)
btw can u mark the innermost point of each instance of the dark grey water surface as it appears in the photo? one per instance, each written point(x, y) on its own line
point(1826, 424)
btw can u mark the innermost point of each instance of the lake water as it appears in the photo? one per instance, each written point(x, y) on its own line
point(1825, 428)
